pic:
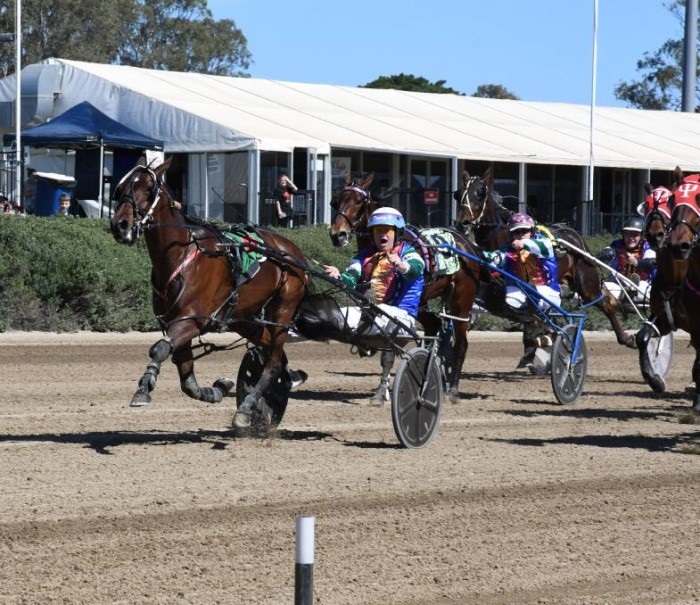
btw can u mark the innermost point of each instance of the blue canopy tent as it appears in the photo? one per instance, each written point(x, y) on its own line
point(83, 127)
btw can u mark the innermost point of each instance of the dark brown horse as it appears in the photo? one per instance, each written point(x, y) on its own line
point(199, 286)
point(479, 214)
point(656, 211)
point(675, 290)
point(458, 290)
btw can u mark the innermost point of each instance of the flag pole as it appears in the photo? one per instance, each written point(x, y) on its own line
point(585, 225)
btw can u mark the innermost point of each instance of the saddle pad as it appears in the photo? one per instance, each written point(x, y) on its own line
point(442, 263)
point(250, 245)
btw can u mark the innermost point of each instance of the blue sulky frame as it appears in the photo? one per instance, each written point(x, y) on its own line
point(569, 355)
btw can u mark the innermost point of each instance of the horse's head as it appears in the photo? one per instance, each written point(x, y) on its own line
point(138, 196)
point(472, 198)
point(656, 211)
point(684, 227)
point(352, 207)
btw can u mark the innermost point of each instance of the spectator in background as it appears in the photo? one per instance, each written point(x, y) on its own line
point(283, 200)
point(30, 190)
point(64, 205)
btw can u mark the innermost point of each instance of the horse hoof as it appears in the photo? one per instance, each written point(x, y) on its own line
point(216, 396)
point(140, 400)
point(298, 377)
point(242, 420)
point(631, 343)
point(381, 397)
point(225, 386)
point(690, 388)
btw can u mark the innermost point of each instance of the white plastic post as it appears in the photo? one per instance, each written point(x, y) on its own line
point(304, 568)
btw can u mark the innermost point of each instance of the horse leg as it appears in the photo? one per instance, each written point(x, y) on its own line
point(158, 353)
point(275, 364)
point(382, 395)
point(184, 361)
point(623, 338)
point(696, 377)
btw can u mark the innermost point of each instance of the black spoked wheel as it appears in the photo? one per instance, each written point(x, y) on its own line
point(568, 377)
point(416, 399)
point(273, 403)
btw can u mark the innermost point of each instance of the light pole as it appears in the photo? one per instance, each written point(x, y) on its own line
point(18, 101)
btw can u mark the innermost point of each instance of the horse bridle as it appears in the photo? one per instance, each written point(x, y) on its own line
point(364, 202)
point(465, 204)
point(694, 230)
point(127, 196)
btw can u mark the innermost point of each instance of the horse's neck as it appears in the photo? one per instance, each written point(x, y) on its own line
point(166, 239)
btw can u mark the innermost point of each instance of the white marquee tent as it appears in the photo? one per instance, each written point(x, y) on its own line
point(197, 113)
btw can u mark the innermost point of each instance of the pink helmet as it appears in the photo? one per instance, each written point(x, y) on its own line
point(521, 221)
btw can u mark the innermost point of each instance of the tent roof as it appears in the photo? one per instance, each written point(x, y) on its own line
point(196, 112)
point(85, 126)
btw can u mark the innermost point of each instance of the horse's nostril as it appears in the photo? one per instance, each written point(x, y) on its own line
point(123, 224)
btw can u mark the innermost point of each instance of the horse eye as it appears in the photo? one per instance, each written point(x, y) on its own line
point(481, 192)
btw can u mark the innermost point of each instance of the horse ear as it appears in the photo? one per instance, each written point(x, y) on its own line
point(488, 178)
point(163, 168)
point(677, 175)
point(367, 181)
point(648, 188)
point(348, 180)
point(465, 178)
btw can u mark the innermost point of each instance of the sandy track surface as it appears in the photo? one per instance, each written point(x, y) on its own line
point(517, 500)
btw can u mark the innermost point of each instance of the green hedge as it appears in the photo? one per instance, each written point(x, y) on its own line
point(66, 274)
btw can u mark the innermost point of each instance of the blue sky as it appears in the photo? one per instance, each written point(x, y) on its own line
point(541, 50)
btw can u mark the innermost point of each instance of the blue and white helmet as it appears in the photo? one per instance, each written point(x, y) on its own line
point(386, 216)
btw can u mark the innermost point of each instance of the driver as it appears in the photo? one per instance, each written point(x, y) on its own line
point(632, 256)
point(389, 272)
point(530, 257)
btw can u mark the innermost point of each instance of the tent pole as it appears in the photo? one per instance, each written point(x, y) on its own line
point(102, 180)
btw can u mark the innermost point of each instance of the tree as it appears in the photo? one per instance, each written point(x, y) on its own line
point(494, 91)
point(181, 35)
point(661, 83)
point(49, 30)
point(177, 35)
point(411, 83)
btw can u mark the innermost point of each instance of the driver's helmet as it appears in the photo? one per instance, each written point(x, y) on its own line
point(387, 216)
point(521, 221)
point(635, 223)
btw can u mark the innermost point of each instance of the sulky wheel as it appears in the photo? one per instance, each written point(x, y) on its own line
point(272, 405)
point(568, 378)
point(659, 354)
point(416, 398)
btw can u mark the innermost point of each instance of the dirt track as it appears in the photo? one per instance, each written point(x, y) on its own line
point(517, 500)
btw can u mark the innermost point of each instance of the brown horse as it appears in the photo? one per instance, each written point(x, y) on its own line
point(199, 286)
point(479, 214)
point(458, 290)
point(656, 211)
point(675, 290)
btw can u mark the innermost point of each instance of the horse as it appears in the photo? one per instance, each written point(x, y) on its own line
point(656, 211)
point(458, 289)
point(479, 214)
point(200, 285)
point(675, 289)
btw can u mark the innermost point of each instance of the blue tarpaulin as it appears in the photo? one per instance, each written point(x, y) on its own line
point(84, 125)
